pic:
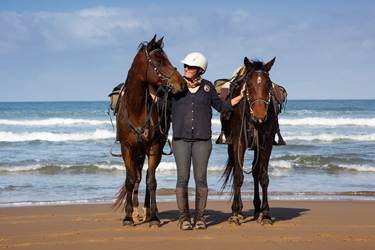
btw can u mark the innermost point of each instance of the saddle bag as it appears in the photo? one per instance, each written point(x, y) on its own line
point(114, 98)
point(219, 84)
point(279, 93)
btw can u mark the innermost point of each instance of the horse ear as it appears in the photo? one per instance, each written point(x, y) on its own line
point(160, 42)
point(248, 64)
point(269, 65)
point(152, 42)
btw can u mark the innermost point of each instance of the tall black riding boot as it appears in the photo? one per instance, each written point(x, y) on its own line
point(182, 197)
point(200, 206)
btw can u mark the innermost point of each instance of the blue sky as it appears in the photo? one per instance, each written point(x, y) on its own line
point(79, 50)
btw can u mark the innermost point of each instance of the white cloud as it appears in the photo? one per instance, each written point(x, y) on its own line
point(101, 42)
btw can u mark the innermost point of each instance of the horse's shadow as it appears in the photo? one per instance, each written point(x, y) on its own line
point(215, 217)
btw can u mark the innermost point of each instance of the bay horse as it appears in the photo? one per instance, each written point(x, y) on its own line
point(253, 124)
point(140, 128)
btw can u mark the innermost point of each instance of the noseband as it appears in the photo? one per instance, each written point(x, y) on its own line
point(244, 124)
point(251, 103)
point(165, 80)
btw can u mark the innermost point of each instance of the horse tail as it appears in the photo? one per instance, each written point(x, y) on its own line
point(121, 195)
point(228, 171)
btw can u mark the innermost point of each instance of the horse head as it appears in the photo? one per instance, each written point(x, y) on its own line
point(159, 70)
point(258, 87)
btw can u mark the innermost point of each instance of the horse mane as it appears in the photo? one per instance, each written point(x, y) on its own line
point(144, 44)
point(257, 65)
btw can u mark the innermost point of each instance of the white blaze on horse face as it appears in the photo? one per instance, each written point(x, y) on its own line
point(259, 80)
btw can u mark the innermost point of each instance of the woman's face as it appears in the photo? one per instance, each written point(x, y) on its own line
point(190, 71)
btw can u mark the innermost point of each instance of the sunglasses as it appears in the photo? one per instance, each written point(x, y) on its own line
point(189, 67)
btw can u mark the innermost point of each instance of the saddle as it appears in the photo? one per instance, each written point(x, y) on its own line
point(279, 95)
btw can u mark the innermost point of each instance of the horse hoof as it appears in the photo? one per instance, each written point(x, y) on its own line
point(146, 215)
point(266, 222)
point(258, 217)
point(241, 218)
point(136, 219)
point(135, 215)
point(154, 224)
point(145, 220)
point(234, 221)
point(128, 223)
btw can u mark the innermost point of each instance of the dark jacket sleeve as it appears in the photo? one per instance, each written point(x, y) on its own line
point(218, 104)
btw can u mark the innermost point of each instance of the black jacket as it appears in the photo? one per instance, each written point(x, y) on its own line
point(192, 113)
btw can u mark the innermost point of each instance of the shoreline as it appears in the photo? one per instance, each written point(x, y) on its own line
point(359, 196)
point(297, 224)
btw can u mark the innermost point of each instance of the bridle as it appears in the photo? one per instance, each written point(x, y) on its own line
point(165, 80)
point(251, 103)
point(250, 122)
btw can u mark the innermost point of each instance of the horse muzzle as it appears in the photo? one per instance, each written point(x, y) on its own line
point(259, 121)
point(179, 87)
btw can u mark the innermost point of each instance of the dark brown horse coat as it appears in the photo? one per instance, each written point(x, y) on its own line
point(252, 125)
point(141, 130)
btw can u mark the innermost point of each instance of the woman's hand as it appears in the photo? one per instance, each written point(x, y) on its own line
point(243, 90)
point(238, 98)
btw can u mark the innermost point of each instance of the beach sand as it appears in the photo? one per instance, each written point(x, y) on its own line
point(297, 225)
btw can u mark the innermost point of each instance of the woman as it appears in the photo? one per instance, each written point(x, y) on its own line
point(191, 124)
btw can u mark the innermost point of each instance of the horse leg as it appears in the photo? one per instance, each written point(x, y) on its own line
point(260, 175)
point(236, 216)
point(153, 161)
point(264, 181)
point(151, 185)
point(146, 206)
point(129, 183)
point(256, 200)
point(238, 177)
point(135, 215)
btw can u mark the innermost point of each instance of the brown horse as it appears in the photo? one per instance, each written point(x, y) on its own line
point(253, 124)
point(140, 128)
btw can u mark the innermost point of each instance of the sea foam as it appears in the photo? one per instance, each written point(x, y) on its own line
point(98, 134)
point(54, 122)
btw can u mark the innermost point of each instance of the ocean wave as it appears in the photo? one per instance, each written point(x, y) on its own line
point(164, 167)
point(321, 122)
point(54, 122)
point(98, 134)
point(322, 137)
point(57, 169)
point(328, 122)
point(329, 137)
point(280, 166)
point(277, 168)
point(353, 167)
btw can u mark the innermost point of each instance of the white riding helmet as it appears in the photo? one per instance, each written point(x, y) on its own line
point(196, 59)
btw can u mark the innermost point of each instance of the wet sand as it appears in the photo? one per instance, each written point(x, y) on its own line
point(297, 225)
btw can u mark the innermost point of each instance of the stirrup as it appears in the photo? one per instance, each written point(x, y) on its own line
point(221, 140)
point(281, 141)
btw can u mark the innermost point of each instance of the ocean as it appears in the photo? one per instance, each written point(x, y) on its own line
point(59, 153)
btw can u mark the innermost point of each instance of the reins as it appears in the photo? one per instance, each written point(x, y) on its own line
point(166, 83)
point(166, 80)
point(245, 121)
